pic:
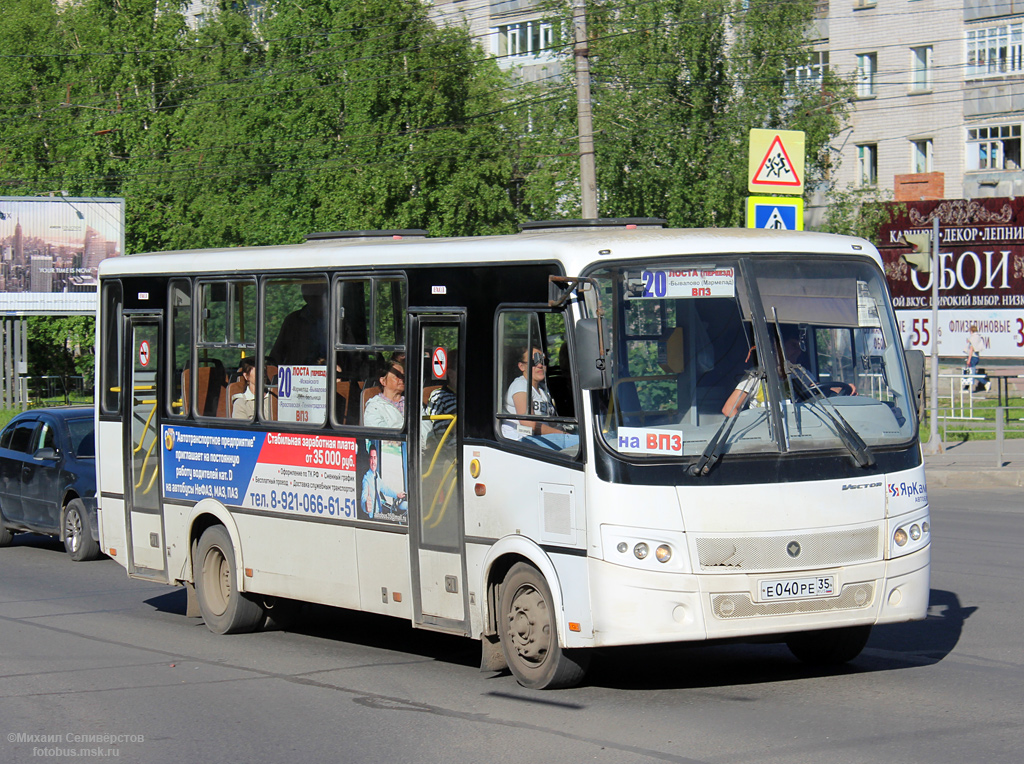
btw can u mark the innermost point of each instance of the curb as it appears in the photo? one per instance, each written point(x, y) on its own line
point(970, 478)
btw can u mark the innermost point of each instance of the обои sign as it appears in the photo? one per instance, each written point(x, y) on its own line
point(980, 271)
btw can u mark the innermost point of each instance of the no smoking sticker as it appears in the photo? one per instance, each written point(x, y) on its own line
point(439, 363)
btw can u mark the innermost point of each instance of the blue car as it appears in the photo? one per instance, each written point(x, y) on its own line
point(48, 478)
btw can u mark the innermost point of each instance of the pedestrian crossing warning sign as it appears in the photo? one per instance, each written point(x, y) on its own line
point(776, 213)
point(776, 161)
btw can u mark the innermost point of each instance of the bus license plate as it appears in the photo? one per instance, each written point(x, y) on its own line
point(797, 588)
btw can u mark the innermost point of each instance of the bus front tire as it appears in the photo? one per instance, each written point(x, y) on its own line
point(829, 647)
point(78, 540)
point(529, 634)
point(225, 609)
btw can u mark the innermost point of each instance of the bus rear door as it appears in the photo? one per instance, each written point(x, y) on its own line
point(145, 518)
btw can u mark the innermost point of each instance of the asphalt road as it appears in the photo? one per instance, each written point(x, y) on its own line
point(91, 661)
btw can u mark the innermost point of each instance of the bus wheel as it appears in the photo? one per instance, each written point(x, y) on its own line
point(78, 540)
point(529, 634)
point(225, 609)
point(6, 537)
point(829, 647)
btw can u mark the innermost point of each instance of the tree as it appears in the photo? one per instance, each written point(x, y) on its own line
point(677, 86)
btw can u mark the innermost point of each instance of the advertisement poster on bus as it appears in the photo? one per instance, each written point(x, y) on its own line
point(320, 476)
point(981, 275)
point(53, 246)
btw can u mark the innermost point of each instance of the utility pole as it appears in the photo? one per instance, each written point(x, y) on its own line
point(584, 121)
point(934, 445)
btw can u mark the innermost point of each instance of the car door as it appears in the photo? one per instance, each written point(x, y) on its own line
point(41, 481)
point(15, 444)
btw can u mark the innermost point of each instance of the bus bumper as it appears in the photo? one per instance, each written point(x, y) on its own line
point(640, 607)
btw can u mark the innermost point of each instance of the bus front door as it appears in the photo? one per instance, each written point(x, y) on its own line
point(436, 519)
point(145, 519)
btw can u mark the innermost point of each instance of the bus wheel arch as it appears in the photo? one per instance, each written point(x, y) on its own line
point(224, 607)
point(528, 629)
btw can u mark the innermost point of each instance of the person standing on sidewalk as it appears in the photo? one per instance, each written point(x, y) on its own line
point(974, 345)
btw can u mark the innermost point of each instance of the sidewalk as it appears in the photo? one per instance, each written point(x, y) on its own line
point(972, 464)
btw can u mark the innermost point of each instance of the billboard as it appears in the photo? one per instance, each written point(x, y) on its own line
point(981, 275)
point(50, 249)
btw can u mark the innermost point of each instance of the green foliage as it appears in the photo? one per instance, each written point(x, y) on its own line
point(334, 115)
point(859, 212)
point(61, 346)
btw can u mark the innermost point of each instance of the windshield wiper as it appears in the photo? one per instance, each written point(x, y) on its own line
point(853, 442)
point(713, 451)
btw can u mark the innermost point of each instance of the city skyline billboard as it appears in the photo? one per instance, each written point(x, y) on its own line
point(50, 249)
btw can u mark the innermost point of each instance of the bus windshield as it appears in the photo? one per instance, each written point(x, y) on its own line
point(751, 355)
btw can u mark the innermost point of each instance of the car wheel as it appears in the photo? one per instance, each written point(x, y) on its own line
point(78, 540)
point(529, 635)
point(225, 609)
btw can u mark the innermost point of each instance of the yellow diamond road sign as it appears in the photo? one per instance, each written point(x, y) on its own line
point(776, 161)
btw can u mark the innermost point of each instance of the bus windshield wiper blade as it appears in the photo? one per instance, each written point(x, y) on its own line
point(713, 451)
point(853, 442)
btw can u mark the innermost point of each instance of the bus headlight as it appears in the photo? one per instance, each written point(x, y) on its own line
point(663, 553)
point(641, 550)
point(910, 535)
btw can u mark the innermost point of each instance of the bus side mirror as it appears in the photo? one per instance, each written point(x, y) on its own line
point(594, 366)
point(915, 367)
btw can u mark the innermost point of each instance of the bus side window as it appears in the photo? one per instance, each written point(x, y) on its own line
point(534, 385)
point(369, 344)
point(227, 332)
point(181, 347)
point(295, 370)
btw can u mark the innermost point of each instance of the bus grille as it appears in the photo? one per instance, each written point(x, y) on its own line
point(853, 597)
point(768, 553)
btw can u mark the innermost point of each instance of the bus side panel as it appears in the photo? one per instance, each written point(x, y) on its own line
point(111, 515)
point(315, 562)
point(542, 504)
point(385, 581)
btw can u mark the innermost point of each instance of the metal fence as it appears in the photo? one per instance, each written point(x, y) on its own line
point(54, 390)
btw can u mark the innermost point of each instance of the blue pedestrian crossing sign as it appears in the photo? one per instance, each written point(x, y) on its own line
point(773, 212)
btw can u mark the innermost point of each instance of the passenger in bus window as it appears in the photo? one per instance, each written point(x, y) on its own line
point(302, 339)
point(532, 386)
point(243, 404)
point(387, 408)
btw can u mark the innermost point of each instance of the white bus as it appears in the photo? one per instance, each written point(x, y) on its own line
point(590, 433)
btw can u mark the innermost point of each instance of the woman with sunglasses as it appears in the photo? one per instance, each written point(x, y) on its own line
point(532, 387)
point(387, 408)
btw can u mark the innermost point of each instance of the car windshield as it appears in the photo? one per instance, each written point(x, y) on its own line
point(751, 354)
point(82, 443)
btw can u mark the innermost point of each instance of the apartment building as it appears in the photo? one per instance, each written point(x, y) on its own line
point(939, 96)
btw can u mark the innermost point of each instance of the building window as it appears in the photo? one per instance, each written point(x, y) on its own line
point(995, 147)
point(526, 39)
point(921, 155)
point(811, 74)
point(995, 50)
point(921, 68)
point(867, 163)
point(867, 65)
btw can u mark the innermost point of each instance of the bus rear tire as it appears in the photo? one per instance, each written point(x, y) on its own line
point(829, 647)
point(225, 609)
point(529, 634)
